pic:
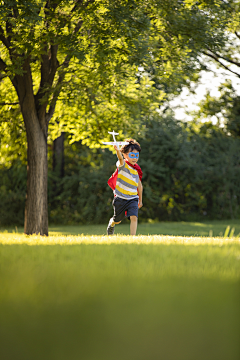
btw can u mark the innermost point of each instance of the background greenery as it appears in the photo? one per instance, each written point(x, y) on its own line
point(191, 172)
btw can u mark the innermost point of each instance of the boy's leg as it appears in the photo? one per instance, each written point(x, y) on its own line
point(118, 206)
point(110, 228)
point(133, 224)
point(132, 213)
point(114, 223)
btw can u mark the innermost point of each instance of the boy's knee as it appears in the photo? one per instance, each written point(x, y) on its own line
point(133, 218)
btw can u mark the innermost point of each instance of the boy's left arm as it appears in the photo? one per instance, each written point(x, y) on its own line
point(140, 191)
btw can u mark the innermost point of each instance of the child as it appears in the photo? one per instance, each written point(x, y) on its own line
point(127, 186)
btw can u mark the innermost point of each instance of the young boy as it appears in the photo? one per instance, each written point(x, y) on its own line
point(128, 189)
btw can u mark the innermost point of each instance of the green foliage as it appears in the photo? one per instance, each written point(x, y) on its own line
point(226, 108)
point(190, 172)
point(12, 194)
point(94, 107)
point(96, 47)
point(12, 131)
point(83, 195)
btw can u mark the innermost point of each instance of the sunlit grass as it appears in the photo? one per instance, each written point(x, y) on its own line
point(120, 297)
point(15, 238)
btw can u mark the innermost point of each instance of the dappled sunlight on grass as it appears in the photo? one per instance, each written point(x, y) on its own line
point(197, 224)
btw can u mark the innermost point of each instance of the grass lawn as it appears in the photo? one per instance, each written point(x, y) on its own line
point(119, 298)
point(209, 228)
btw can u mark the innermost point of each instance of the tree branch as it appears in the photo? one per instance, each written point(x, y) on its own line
point(63, 66)
point(48, 71)
point(51, 65)
point(51, 5)
point(54, 64)
point(237, 34)
point(214, 57)
point(52, 108)
point(58, 88)
point(79, 3)
point(11, 103)
point(2, 76)
point(225, 58)
point(3, 65)
point(9, 29)
point(4, 40)
point(54, 99)
point(78, 26)
point(66, 61)
point(15, 12)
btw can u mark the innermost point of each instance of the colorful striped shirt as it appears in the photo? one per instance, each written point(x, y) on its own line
point(127, 182)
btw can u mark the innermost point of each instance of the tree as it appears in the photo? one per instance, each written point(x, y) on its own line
point(226, 107)
point(56, 49)
point(47, 41)
point(227, 56)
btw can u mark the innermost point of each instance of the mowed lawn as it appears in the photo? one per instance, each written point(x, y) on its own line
point(119, 298)
point(181, 228)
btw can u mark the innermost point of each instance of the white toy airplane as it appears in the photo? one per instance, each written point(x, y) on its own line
point(113, 133)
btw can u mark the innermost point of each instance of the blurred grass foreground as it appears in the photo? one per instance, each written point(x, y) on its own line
point(119, 298)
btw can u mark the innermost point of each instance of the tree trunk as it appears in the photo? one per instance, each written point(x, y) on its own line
point(58, 156)
point(36, 208)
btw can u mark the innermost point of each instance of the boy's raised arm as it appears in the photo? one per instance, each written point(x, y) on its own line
point(119, 155)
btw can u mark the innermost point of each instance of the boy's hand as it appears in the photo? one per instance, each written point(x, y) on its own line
point(115, 147)
point(140, 204)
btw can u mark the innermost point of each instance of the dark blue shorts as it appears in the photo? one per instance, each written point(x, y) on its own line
point(120, 206)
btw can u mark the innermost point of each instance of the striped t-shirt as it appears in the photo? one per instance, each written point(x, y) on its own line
point(127, 182)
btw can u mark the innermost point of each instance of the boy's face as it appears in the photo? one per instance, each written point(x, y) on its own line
point(132, 156)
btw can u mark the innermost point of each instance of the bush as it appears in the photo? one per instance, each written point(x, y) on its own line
point(12, 195)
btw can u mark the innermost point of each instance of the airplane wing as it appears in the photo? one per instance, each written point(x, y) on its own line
point(115, 143)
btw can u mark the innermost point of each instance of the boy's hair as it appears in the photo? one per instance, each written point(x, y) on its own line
point(132, 145)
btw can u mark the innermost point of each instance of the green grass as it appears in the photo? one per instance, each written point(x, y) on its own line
point(119, 298)
point(210, 228)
